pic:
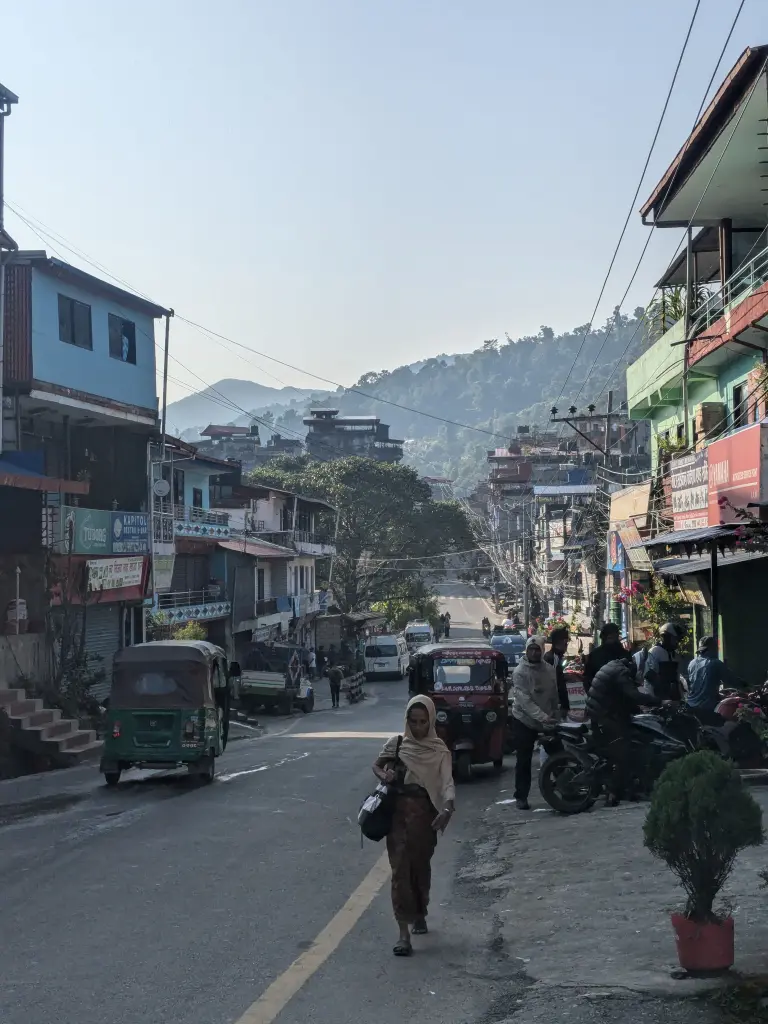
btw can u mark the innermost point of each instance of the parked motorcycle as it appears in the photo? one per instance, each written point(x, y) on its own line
point(577, 770)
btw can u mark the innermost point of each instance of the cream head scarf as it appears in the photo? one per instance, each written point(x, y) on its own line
point(428, 761)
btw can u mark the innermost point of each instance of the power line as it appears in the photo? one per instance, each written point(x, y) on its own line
point(631, 209)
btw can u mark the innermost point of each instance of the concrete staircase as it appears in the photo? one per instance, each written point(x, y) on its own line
point(42, 731)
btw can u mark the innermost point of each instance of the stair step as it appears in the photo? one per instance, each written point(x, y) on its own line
point(23, 707)
point(56, 730)
point(86, 752)
point(10, 697)
point(78, 738)
point(46, 716)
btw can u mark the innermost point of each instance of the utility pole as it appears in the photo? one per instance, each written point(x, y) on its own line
point(7, 244)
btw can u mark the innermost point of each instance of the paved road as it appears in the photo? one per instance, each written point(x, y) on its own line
point(170, 903)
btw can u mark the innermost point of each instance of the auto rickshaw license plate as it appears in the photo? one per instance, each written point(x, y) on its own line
point(466, 718)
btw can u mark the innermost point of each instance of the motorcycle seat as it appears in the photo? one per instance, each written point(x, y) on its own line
point(574, 728)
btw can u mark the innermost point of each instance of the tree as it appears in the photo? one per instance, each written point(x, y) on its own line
point(411, 599)
point(389, 528)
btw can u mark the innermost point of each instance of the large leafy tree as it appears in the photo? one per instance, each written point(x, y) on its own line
point(389, 528)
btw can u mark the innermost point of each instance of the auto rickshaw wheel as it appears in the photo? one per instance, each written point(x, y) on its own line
point(206, 768)
point(498, 765)
point(112, 778)
point(464, 767)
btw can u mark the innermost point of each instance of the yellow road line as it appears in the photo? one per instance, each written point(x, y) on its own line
point(274, 1000)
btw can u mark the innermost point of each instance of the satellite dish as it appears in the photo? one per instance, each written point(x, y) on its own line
point(161, 488)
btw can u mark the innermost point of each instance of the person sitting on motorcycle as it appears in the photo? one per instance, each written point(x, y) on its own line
point(486, 625)
point(609, 650)
point(706, 674)
point(662, 666)
point(612, 700)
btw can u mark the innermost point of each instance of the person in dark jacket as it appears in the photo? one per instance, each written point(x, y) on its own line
point(610, 649)
point(612, 699)
point(559, 639)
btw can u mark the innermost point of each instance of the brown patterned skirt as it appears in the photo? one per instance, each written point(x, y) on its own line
point(410, 845)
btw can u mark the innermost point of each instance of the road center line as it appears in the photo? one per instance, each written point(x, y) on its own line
point(274, 1000)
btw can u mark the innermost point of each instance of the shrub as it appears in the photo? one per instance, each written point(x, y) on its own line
point(701, 816)
point(190, 631)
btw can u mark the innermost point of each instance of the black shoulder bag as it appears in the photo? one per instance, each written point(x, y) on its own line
point(376, 811)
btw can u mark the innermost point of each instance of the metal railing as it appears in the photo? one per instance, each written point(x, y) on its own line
point(742, 283)
point(192, 514)
point(283, 538)
point(183, 598)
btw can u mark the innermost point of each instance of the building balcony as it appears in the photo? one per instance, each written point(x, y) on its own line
point(193, 606)
point(736, 312)
point(196, 523)
point(303, 542)
point(266, 606)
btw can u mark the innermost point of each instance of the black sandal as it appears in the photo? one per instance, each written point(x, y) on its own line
point(402, 948)
point(420, 928)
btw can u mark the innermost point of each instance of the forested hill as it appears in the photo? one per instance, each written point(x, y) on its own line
point(498, 386)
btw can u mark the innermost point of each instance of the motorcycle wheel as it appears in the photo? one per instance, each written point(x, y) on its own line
point(567, 784)
point(463, 769)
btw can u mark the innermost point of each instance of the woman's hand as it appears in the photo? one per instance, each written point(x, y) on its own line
point(385, 775)
point(441, 821)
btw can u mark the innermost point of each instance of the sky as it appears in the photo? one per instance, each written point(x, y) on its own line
point(349, 185)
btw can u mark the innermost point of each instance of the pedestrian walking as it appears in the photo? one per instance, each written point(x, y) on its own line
point(312, 664)
point(335, 678)
point(447, 626)
point(441, 627)
point(422, 770)
point(536, 704)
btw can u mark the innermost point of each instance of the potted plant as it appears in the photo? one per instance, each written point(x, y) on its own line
point(701, 817)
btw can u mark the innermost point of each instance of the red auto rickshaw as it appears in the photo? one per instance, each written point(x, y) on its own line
point(467, 680)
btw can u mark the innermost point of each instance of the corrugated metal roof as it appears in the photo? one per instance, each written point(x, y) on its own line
point(553, 490)
point(700, 536)
point(262, 550)
point(686, 566)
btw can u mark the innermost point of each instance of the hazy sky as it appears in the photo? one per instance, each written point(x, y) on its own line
point(348, 184)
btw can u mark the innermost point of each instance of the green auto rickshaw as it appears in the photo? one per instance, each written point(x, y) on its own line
point(168, 707)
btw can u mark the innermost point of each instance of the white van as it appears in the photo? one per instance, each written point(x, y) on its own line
point(386, 657)
point(417, 634)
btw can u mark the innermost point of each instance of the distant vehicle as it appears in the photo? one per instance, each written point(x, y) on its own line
point(511, 645)
point(418, 633)
point(386, 657)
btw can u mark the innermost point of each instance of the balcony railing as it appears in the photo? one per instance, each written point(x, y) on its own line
point(191, 521)
point(285, 538)
point(194, 605)
point(743, 282)
point(266, 606)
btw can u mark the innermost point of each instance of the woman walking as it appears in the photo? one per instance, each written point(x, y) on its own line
point(419, 763)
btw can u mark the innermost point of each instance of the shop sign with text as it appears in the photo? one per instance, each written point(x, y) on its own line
point(115, 573)
point(737, 472)
point(690, 490)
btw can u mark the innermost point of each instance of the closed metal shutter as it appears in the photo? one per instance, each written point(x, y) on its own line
point(102, 638)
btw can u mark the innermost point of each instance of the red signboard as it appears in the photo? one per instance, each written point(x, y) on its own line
point(735, 472)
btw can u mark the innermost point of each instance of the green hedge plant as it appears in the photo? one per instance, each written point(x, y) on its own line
point(700, 818)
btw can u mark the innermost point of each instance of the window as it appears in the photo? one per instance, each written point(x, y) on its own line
point(302, 586)
point(75, 323)
point(739, 406)
point(260, 585)
point(197, 497)
point(681, 432)
point(122, 339)
point(178, 486)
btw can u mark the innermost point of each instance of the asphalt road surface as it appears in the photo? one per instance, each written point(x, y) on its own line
point(244, 902)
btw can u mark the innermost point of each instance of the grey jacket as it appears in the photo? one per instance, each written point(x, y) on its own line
point(535, 696)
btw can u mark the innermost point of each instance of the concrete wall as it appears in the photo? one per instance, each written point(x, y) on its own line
point(22, 657)
point(92, 371)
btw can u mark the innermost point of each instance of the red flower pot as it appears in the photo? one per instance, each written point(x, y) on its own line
point(703, 947)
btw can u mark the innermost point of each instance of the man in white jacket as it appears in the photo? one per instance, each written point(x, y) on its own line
point(536, 704)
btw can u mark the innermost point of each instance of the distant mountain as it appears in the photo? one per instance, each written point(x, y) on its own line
point(228, 401)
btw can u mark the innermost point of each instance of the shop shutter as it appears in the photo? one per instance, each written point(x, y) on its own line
point(102, 637)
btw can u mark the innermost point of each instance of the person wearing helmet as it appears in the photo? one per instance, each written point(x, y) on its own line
point(706, 674)
point(610, 649)
point(662, 666)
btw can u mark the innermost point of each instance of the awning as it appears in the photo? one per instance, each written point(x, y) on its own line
point(694, 538)
point(12, 475)
point(249, 547)
point(687, 566)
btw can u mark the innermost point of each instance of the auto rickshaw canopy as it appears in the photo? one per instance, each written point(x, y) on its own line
point(169, 674)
